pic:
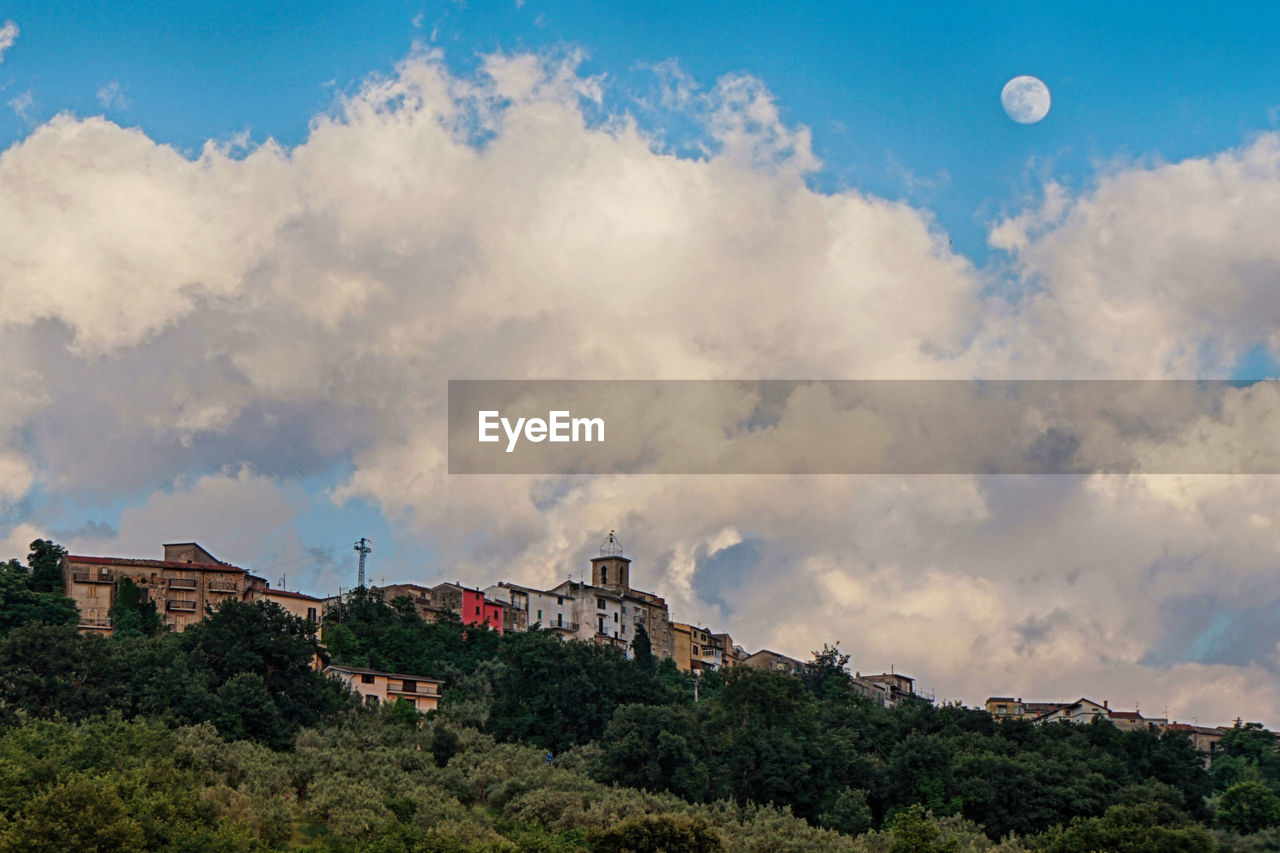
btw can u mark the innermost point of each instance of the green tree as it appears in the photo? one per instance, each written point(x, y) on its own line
point(658, 834)
point(79, 814)
point(657, 748)
point(48, 670)
point(1255, 744)
point(642, 648)
point(765, 734)
point(558, 694)
point(401, 713)
point(22, 605)
point(132, 615)
point(277, 649)
point(1248, 807)
point(914, 831)
point(828, 671)
point(45, 562)
point(1128, 829)
point(848, 813)
point(444, 745)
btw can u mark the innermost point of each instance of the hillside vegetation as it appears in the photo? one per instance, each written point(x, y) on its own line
point(224, 737)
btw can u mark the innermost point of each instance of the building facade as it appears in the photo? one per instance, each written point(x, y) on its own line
point(377, 687)
point(305, 607)
point(769, 659)
point(183, 585)
point(550, 610)
point(698, 649)
point(470, 604)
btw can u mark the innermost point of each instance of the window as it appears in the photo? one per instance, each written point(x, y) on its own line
point(559, 599)
point(477, 609)
point(311, 614)
point(599, 604)
point(559, 620)
point(604, 574)
point(615, 617)
point(539, 615)
point(408, 685)
point(695, 651)
point(624, 629)
point(366, 678)
point(624, 610)
point(93, 591)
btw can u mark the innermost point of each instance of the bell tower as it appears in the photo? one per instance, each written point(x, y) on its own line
point(611, 569)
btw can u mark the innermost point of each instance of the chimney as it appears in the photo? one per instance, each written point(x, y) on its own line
point(1104, 704)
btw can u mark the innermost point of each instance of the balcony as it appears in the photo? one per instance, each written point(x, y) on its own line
point(571, 627)
point(184, 583)
point(86, 622)
point(421, 689)
point(222, 586)
point(100, 576)
point(181, 605)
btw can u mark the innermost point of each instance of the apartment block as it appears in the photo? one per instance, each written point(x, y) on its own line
point(184, 585)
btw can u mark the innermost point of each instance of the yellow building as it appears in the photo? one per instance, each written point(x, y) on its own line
point(695, 648)
point(419, 691)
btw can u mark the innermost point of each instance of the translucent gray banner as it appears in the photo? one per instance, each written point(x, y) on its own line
point(863, 427)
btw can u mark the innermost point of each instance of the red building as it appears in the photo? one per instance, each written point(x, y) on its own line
point(470, 605)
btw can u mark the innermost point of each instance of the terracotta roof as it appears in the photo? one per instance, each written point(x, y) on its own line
point(359, 670)
point(154, 564)
point(1002, 699)
point(1126, 715)
point(288, 594)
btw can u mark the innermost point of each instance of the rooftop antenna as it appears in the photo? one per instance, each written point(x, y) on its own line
point(282, 581)
point(611, 547)
point(363, 547)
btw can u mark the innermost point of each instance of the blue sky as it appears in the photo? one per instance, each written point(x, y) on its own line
point(902, 103)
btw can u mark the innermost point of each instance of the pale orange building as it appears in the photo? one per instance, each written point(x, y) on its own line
point(299, 604)
point(418, 690)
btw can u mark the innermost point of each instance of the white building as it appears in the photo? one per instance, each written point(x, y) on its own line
point(552, 610)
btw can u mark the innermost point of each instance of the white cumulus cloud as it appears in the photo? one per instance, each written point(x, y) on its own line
point(8, 35)
point(264, 315)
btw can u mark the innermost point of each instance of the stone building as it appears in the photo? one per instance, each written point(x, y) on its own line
point(185, 585)
point(609, 610)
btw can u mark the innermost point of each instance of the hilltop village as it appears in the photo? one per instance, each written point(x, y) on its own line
point(188, 582)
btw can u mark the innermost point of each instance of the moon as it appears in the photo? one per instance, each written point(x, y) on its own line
point(1025, 99)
